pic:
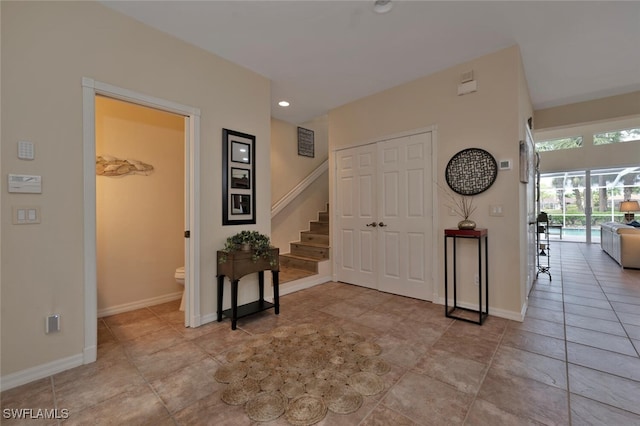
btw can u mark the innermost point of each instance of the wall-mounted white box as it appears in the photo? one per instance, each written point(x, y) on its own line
point(25, 184)
point(26, 151)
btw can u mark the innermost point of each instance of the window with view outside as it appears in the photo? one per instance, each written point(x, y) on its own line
point(558, 144)
point(563, 197)
point(610, 187)
point(627, 135)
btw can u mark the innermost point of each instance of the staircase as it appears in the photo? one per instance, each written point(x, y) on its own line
point(304, 256)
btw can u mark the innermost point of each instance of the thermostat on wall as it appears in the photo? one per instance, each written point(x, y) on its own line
point(504, 164)
point(25, 184)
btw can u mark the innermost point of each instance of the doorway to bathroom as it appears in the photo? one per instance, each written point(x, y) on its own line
point(140, 200)
point(91, 89)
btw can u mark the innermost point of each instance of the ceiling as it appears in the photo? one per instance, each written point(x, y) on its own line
point(323, 54)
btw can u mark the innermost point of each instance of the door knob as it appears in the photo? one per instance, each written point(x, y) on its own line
point(372, 224)
point(382, 224)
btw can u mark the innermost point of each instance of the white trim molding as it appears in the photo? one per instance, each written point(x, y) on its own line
point(126, 307)
point(91, 88)
point(40, 371)
point(304, 184)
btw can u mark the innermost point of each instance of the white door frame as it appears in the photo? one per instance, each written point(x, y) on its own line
point(91, 88)
point(434, 219)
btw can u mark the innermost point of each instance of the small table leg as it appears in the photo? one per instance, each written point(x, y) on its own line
point(234, 304)
point(276, 291)
point(220, 293)
point(261, 287)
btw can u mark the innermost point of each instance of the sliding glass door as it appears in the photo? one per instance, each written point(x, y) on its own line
point(579, 201)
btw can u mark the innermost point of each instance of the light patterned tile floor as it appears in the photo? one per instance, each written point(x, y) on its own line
point(573, 361)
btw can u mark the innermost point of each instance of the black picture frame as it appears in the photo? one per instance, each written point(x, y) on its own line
point(240, 152)
point(240, 204)
point(306, 144)
point(238, 178)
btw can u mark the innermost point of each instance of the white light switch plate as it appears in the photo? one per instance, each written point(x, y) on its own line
point(496, 210)
point(25, 215)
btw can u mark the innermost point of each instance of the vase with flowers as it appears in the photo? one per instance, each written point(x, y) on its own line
point(462, 205)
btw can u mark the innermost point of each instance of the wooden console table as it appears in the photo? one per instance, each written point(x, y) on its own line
point(237, 265)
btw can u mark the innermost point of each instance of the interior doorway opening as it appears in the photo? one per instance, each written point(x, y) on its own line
point(91, 88)
point(140, 169)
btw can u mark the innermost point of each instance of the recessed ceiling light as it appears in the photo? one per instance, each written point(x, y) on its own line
point(382, 6)
point(283, 103)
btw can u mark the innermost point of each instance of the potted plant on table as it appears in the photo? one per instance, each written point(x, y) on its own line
point(258, 244)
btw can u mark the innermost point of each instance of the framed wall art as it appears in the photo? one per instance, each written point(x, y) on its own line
point(471, 171)
point(525, 160)
point(238, 178)
point(306, 144)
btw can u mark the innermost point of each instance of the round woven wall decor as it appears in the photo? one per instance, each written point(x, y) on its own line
point(471, 171)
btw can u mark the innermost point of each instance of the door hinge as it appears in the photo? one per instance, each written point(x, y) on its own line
point(187, 234)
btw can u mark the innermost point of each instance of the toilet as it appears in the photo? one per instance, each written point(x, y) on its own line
point(179, 276)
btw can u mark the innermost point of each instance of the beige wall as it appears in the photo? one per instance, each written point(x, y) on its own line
point(287, 170)
point(612, 107)
point(488, 119)
point(47, 47)
point(139, 218)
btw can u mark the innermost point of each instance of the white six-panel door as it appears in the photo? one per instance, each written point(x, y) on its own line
point(356, 207)
point(384, 206)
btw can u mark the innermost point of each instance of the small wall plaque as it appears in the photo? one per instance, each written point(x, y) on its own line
point(305, 142)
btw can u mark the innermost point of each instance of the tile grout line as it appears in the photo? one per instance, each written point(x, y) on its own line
point(612, 307)
point(134, 365)
point(484, 376)
point(566, 345)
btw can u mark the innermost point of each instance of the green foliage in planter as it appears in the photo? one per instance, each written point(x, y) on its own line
point(259, 244)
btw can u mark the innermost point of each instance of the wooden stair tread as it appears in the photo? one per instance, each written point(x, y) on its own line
point(314, 233)
point(310, 244)
point(312, 248)
point(300, 257)
point(288, 274)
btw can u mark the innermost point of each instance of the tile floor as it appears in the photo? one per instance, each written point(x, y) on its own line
point(574, 360)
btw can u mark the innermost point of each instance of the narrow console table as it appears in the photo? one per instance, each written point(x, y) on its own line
point(455, 234)
point(237, 265)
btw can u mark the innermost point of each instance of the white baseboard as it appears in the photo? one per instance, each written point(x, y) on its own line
point(208, 318)
point(496, 312)
point(304, 283)
point(126, 307)
point(90, 354)
point(39, 372)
